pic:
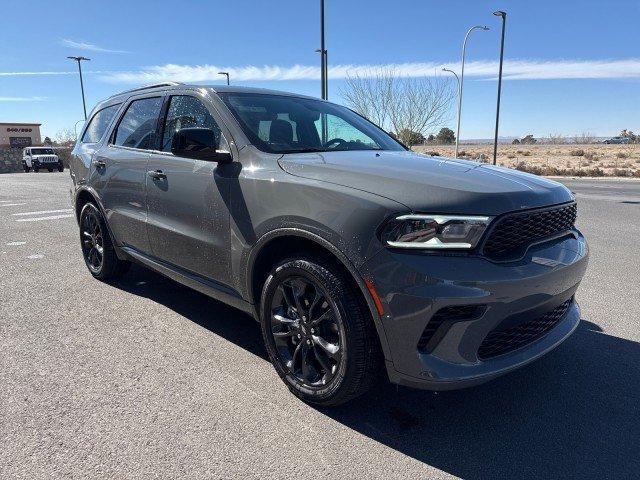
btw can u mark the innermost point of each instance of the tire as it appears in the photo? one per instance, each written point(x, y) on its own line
point(97, 249)
point(36, 169)
point(26, 169)
point(50, 170)
point(342, 353)
point(61, 168)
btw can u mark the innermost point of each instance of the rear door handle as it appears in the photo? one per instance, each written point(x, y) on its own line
point(157, 174)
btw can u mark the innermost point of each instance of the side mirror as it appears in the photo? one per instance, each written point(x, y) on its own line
point(200, 144)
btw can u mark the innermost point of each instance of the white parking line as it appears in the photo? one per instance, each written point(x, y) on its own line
point(15, 244)
point(37, 219)
point(12, 204)
point(42, 212)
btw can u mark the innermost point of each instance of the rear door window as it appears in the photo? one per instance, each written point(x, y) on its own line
point(99, 124)
point(137, 128)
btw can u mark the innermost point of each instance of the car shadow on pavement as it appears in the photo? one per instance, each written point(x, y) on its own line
point(573, 414)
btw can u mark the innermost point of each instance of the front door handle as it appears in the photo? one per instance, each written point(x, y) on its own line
point(157, 174)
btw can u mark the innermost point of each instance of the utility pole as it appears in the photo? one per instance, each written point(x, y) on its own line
point(79, 59)
point(502, 14)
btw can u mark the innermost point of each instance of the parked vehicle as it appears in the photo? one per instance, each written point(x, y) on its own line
point(356, 256)
point(618, 140)
point(41, 157)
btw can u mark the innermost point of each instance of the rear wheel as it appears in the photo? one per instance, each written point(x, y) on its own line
point(26, 168)
point(97, 248)
point(61, 168)
point(319, 336)
point(50, 170)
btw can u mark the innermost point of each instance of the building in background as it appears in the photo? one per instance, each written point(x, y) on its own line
point(19, 135)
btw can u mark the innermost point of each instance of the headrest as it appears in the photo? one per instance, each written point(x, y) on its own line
point(281, 131)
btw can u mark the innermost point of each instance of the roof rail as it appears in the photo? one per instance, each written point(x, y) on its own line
point(148, 87)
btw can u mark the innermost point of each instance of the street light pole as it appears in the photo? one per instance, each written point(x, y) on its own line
point(502, 14)
point(79, 59)
point(454, 74)
point(464, 52)
point(226, 74)
point(323, 56)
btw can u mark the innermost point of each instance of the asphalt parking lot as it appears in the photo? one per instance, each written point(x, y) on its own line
point(144, 378)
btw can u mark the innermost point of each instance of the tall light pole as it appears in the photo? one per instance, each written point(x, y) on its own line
point(79, 59)
point(454, 74)
point(324, 90)
point(226, 74)
point(502, 14)
point(464, 52)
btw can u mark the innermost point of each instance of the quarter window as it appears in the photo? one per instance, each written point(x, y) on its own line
point(137, 129)
point(188, 112)
point(98, 124)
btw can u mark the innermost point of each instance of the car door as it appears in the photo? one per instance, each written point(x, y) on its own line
point(188, 218)
point(120, 171)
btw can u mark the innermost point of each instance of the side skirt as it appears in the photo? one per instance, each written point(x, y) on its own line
point(210, 288)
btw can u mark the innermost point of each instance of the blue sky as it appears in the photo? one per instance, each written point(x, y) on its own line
point(574, 64)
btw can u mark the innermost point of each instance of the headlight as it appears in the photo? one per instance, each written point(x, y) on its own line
point(435, 231)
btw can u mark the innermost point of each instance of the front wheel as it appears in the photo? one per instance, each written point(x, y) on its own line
point(319, 336)
point(61, 168)
point(36, 169)
point(97, 248)
point(26, 168)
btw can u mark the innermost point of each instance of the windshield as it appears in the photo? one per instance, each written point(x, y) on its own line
point(287, 124)
point(42, 151)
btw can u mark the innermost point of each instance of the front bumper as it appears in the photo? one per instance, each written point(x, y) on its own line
point(414, 286)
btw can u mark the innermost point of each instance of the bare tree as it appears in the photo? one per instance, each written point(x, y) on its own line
point(403, 104)
point(65, 137)
point(556, 139)
point(584, 138)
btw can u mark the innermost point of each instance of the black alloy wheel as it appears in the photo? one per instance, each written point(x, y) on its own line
point(307, 331)
point(92, 241)
point(318, 331)
point(97, 249)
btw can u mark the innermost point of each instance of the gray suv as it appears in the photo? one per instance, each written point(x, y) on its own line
point(356, 256)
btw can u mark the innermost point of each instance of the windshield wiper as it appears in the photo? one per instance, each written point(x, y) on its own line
point(304, 150)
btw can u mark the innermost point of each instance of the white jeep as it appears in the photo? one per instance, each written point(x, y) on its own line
point(41, 157)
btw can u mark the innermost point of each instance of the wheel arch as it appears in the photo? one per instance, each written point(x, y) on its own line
point(281, 243)
point(86, 195)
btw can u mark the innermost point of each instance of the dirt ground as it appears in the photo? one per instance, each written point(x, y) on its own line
point(593, 160)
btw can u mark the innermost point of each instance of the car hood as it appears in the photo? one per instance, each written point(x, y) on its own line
point(430, 184)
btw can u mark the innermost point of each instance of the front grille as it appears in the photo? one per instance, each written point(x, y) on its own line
point(499, 342)
point(516, 231)
point(451, 314)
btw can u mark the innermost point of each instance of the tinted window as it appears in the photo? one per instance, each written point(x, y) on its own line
point(98, 124)
point(187, 112)
point(137, 129)
point(42, 151)
point(287, 124)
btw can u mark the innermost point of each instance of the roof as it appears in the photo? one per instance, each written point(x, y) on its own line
point(21, 124)
point(215, 88)
point(168, 86)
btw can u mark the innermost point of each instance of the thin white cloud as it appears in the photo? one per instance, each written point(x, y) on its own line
point(35, 74)
point(82, 45)
point(483, 70)
point(513, 70)
point(22, 99)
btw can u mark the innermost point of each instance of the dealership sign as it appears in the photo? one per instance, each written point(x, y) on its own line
point(19, 129)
